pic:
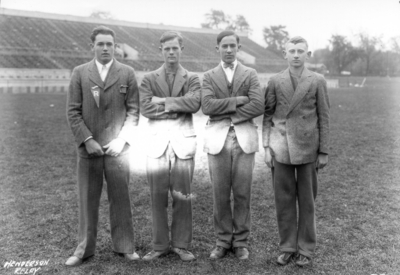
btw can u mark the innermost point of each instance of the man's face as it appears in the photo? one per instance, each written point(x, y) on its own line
point(227, 49)
point(103, 48)
point(296, 54)
point(171, 51)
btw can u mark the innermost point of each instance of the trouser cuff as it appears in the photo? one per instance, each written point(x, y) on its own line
point(181, 245)
point(224, 245)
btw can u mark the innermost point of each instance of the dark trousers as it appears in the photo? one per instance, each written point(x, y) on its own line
point(231, 171)
point(165, 174)
point(291, 183)
point(90, 184)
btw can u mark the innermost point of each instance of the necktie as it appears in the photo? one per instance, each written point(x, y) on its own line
point(103, 73)
point(226, 65)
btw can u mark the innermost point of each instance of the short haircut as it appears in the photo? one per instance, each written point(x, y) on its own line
point(101, 30)
point(297, 39)
point(171, 35)
point(227, 33)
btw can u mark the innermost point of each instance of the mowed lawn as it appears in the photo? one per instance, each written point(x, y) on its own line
point(358, 202)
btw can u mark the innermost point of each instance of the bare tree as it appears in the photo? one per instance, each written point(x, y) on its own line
point(241, 24)
point(369, 48)
point(217, 19)
point(395, 41)
point(214, 19)
point(276, 37)
point(342, 52)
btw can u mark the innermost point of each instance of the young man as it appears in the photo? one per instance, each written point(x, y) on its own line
point(295, 138)
point(232, 97)
point(168, 97)
point(102, 111)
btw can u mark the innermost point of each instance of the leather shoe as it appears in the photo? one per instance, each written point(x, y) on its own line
point(152, 255)
point(284, 258)
point(242, 253)
point(303, 261)
point(132, 257)
point(218, 253)
point(184, 254)
point(73, 261)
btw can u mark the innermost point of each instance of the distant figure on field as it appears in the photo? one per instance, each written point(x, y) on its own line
point(168, 98)
point(102, 111)
point(232, 97)
point(296, 138)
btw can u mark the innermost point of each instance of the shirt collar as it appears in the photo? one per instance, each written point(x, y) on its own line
point(100, 66)
point(234, 64)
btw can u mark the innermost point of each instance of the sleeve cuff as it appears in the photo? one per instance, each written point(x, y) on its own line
point(91, 137)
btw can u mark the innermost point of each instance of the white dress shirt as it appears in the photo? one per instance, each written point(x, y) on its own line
point(103, 72)
point(228, 71)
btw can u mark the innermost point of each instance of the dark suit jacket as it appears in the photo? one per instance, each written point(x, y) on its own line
point(296, 129)
point(118, 111)
point(172, 122)
point(221, 107)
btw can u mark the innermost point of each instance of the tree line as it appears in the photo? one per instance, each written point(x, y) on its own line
point(368, 56)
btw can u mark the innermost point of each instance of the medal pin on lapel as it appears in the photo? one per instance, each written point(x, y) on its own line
point(96, 95)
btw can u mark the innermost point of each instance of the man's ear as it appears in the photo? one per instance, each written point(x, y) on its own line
point(116, 45)
point(91, 47)
point(239, 46)
point(217, 48)
point(284, 53)
point(308, 54)
point(182, 48)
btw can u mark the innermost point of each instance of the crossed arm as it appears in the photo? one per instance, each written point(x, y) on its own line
point(189, 103)
point(239, 108)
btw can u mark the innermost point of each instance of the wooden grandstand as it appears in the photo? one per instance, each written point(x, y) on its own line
point(50, 41)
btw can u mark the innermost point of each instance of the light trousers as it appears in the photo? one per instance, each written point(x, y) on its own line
point(231, 172)
point(165, 174)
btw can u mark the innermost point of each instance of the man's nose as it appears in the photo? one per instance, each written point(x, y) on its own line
point(229, 49)
point(171, 51)
point(105, 48)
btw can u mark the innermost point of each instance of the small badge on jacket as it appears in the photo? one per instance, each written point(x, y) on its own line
point(96, 95)
point(123, 89)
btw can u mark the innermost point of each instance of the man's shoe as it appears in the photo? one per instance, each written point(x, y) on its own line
point(218, 253)
point(152, 255)
point(242, 253)
point(73, 261)
point(284, 258)
point(132, 257)
point(303, 261)
point(185, 255)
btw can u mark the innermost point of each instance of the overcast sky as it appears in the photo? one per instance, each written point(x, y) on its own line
point(316, 20)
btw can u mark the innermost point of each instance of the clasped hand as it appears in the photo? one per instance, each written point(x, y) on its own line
point(113, 148)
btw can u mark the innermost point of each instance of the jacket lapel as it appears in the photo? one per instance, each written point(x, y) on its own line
point(113, 75)
point(302, 88)
point(238, 77)
point(94, 75)
point(161, 80)
point(179, 81)
point(286, 82)
point(218, 77)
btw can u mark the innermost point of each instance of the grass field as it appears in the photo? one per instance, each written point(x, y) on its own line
point(358, 204)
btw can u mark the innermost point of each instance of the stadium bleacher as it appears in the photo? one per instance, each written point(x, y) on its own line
point(38, 41)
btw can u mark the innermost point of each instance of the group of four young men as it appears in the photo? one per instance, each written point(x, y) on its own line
point(103, 110)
